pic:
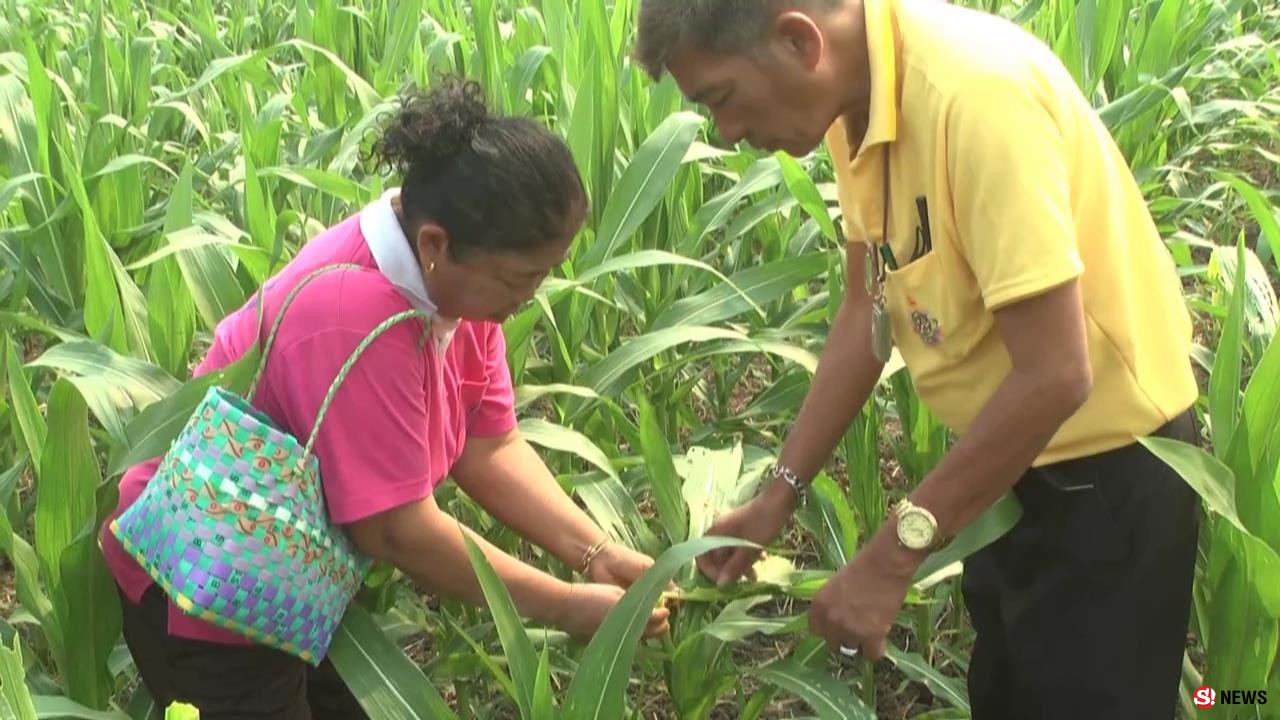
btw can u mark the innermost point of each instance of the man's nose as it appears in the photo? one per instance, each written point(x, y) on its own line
point(731, 131)
point(732, 134)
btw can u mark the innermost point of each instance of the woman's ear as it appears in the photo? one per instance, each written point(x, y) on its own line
point(433, 246)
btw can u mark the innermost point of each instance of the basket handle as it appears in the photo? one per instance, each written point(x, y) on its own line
point(275, 327)
point(381, 328)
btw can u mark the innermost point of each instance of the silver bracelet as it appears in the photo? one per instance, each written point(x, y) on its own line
point(789, 476)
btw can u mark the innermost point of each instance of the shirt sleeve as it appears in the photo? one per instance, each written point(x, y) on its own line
point(1008, 166)
point(496, 413)
point(372, 446)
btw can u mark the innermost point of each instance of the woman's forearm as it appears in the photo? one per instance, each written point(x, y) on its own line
point(427, 544)
point(508, 478)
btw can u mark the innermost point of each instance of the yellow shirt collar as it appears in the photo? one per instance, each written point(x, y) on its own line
point(883, 47)
point(882, 54)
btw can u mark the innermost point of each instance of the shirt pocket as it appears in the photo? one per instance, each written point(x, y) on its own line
point(919, 307)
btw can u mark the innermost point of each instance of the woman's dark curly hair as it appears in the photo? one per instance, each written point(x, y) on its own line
point(493, 183)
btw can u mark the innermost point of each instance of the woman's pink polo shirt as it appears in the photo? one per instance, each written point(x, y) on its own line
point(401, 418)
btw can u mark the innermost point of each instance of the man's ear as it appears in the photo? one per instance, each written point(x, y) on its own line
point(799, 37)
point(433, 245)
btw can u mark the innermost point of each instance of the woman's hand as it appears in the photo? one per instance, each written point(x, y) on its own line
point(588, 604)
point(618, 565)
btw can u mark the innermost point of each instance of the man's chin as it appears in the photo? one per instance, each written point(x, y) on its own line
point(796, 149)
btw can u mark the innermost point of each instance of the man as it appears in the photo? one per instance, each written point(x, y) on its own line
point(1014, 265)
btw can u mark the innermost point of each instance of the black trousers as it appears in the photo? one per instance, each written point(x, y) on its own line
point(1082, 609)
point(229, 682)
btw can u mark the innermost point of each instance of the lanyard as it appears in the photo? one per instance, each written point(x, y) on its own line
point(881, 333)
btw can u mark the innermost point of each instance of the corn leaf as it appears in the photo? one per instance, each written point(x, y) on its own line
point(15, 699)
point(643, 184)
point(597, 690)
point(521, 658)
point(827, 696)
point(385, 682)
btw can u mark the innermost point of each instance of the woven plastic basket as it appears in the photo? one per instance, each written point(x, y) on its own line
point(233, 525)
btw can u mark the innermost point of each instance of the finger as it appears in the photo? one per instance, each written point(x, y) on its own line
point(658, 623)
point(875, 649)
point(817, 621)
point(710, 563)
point(739, 562)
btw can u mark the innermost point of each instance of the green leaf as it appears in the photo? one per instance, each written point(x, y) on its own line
point(606, 375)
point(806, 193)
point(1262, 404)
point(1224, 381)
point(558, 437)
point(527, 394)
point(114, 385)
point(385, 682)
point(608, 501)
point(661, 473)
point(55, 707)
point(123, 162)
point(828, 515)
point(827, 696)
point(642, 259)
point(734, 622)
point(643, 183)
point(66, 517)
point(152, 431)
point(521, 659)
point(318, 179)
point(711, 484)
point(93, 614)
point(990, 526)
point(1211, 479)
point(17, 701)
point(544, 702)
point(598, 689)
point(30, 422)
point(1263, 212)
point(759, 285)
point(943, 687)
point(68, 479)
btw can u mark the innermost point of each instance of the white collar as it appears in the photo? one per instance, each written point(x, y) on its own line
point(395, 260)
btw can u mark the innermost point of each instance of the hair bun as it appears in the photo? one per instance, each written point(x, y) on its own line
point(431, 127)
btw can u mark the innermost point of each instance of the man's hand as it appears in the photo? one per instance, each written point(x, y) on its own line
point(760, 521)
point(857, 606)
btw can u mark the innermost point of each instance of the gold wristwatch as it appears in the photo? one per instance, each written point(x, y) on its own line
point(917, 527)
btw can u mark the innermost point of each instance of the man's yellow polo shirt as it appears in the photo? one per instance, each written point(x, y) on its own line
point(1024, 189)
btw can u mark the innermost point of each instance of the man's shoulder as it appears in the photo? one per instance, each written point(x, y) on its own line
point(959, 52)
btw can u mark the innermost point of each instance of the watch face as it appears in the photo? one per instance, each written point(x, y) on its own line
point(915, 530)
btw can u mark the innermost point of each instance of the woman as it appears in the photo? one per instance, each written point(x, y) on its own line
point(487, 208)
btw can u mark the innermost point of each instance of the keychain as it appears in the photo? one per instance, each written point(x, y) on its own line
point(881, 330)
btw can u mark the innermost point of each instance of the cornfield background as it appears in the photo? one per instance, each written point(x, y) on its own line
point(158, 159)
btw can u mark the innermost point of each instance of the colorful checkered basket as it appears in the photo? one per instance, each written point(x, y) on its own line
point(233, 525)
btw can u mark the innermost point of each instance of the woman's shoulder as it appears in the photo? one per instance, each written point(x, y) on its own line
point(351, 299)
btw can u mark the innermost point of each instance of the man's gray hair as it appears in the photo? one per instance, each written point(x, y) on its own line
point(723, 26)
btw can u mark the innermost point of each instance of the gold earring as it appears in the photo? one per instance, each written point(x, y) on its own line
point(431, 266)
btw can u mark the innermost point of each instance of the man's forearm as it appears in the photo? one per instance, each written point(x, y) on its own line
point(847, 373)
point(1006, 437)
point(508, 478)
